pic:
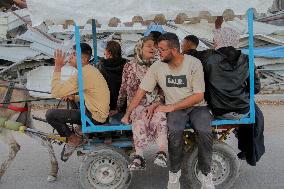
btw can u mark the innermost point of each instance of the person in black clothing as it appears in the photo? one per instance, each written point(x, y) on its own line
point(111, 68)
point(190, 42)
point(226, 72)
point(189, 46)
point(227, 81)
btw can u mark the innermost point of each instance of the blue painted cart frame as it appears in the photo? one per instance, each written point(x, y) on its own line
point(89, 127)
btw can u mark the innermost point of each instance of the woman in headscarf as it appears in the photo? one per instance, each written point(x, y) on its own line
point(147, 126)
point(226, 72)
point(224, 36)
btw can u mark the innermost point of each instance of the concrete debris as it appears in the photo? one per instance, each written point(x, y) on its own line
point(132, 11)
point(40, 79)
point(26, 53)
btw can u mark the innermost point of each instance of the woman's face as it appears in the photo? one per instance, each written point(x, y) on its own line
point(148, 50)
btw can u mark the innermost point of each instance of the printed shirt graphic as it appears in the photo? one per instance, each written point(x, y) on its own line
point(178, 83)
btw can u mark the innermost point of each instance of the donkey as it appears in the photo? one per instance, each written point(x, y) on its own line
point(20, 112)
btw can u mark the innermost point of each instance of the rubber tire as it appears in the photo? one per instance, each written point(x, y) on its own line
point(190, 160)
point(106, 151)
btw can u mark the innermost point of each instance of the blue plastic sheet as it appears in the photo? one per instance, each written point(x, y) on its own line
point(154, 27)
point(267, 52)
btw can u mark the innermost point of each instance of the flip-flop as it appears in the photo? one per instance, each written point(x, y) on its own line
point(78, 131)
point(135, 166)
point(68, 150)
point(161, 159)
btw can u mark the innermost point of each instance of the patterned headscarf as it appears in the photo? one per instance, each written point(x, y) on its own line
point(138, 53)
point(225, 37)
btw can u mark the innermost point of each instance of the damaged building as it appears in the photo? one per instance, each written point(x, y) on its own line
point(26, 53)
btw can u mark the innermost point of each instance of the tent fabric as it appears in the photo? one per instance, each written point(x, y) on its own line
point(267, 52)
point(154, 27)
point(103, 10)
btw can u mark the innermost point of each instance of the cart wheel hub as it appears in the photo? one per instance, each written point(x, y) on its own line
point(105, 172)
point(220, 169)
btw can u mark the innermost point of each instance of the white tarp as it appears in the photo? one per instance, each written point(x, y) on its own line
point(40, 79)
point(17, 54)
point(103, 10)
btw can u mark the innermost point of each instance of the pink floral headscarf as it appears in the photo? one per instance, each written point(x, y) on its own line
point(225, 37)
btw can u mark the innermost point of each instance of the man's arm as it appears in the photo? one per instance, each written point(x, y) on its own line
point(60, 89)
point(189, 101)
point(186, 103)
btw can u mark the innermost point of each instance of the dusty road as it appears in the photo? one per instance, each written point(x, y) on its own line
point(30, 169)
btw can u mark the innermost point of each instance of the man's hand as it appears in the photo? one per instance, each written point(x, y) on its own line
point(69, 98)
point(150, 110)
point(113, 112)
point(165, 108)
point(125, 119)
point(59, 57)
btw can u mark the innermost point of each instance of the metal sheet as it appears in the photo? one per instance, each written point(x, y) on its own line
point(82, 10)
point(17, 54)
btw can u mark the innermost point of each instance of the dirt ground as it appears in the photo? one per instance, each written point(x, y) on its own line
point(30, 168)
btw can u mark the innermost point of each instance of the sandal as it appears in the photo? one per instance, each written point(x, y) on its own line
point(161, 159)
point(138, 164)
point(78, 131)
point(68, 150)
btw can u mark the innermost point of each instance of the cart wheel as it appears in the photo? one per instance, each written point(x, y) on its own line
point(225, 166)
point(105, 168)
